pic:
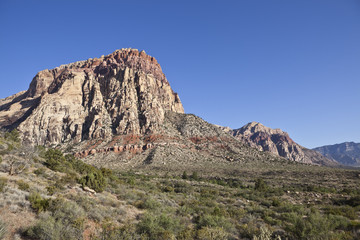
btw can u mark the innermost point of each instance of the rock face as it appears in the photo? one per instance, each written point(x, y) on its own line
point(125, 92)
point(184, 140)
point(277, 142)
point(120, 110)
point(347, 153)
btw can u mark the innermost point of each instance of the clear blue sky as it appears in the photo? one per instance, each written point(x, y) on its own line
point(293, 65)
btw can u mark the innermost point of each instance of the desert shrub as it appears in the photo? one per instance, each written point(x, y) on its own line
point(52, 189)
point(148, 203)
point(70, 178)
point(317, 188)
point(23, 185)
point(260, 185)
point(94, 180)
point(353, 201)
point(2, 229)
point(182, 187)
point(13, 136)
point(158, 226)
point(213, 221)
point(248, 230)
point(40, 171)
point(233, 183)
point(3, 182)
point(45, 229)
point(276, 202)
point(184, 175)
point(207, 233)
point(168, 189)
point(186, 234)
point(106, 172)
point(55, 160)
point(345, 211)
point(37, 202)
point(312, 226)
point(64, 221)
point(112, 232)
point(68, 212)
point(209, 193)
point(236, 212)
point(79, 166)
point(195, 176)
point(264, 234)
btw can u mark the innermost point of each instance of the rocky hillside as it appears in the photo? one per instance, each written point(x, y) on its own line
point(184, 141)
point(45, 194)
point(347, 153)
point(277, 142)
point(120, 111)
point(124, 92)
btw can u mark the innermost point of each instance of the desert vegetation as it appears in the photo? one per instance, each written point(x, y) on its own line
point(65, 198)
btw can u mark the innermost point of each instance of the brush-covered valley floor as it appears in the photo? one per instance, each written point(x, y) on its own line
point(45, 194)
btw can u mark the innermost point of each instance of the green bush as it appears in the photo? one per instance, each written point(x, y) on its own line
point(264, 234)
point(148, 203)
point(55, 160)
point(184, 175)
point(94, 180)
point(3, 182)
point(158, 226)
point(260, 185)
point(38, 203)
point(64, 221)
point(182, 187)
point(207, 233)
point(186, 234)
point(23, 185)
point(13, 136)
point(213, 221)
point(345, 211)
point(51, 190)
point(40, 171)
point(354, 201)
point(195, 176)
point(112, 232)
point(313, 226)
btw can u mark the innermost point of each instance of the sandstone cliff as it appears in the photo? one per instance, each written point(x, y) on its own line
point(277, 142)
point(124, 92)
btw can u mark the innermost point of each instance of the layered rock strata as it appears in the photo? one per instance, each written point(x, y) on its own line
point(125, 92)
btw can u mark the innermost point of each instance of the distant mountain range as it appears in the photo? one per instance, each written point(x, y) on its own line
point(347, 153)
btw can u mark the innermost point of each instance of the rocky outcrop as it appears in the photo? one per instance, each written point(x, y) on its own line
point(125, 92)
point(347, 153)
point(277, 142)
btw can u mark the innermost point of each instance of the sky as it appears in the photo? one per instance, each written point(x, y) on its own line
point(293, 65)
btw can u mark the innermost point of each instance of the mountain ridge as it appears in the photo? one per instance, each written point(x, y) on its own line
point(123, 104)
point(277, 142)
point(347, 153)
